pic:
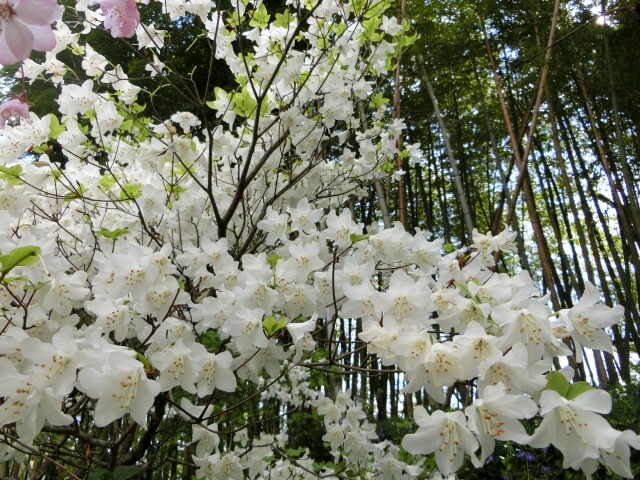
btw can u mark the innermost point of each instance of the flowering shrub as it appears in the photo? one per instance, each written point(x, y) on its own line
point(171, 271)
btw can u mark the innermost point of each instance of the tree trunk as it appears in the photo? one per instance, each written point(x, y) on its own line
point(462, 198)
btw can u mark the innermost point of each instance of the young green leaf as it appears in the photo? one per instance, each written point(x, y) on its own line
point(260, 17)
point(112, 234)
point(55, 127)
point(578, 388)
point(19, 257)
point(556, 381)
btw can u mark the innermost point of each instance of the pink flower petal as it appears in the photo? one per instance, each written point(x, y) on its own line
point(44, 39)
point(38, 12)
point(19, 38)
point(6, 56)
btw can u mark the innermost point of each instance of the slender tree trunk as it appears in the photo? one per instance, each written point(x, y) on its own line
point(523, 178)
point(377, 184)
point(630, 183)
point(462, 198)
point(622, 347)
point(568, 194)
point(397, 114)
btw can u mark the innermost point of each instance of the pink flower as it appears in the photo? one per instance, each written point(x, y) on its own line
point(16, 107)
point(25, 25)
point(121, 17)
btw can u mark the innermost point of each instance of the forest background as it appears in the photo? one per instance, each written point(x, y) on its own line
point(528, 115)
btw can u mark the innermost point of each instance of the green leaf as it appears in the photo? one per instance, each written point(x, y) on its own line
point(112, 234)
point(376, 9)
point(144, 361)
point(78, 193)
point(272, 260)
point(260, 17)
point(357, 238)
point(448, 248)
point(244, 104)
point(106, 182)
point(557, 382)
point(273, 325)
point(283, 19)
point(126, 126)
point(295, 452)
point(11, 174)
point(340, 467)
point(578, 388)
point(19, 257)
point(55, 128)
point(242, 80)
point(406, 41)
point(370, 27)
point(378, 100)
point(10, 280)
point(130, 190)
point(7, 172)
point(234, 19)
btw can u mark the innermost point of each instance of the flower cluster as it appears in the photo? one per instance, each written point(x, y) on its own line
point(210, 259)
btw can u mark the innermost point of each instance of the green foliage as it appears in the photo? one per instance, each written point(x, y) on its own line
point(273, 325)
point(516, 462)
point(124, 472)
point(306, 430)
point(394, 429)
point(112, 234)
point(557, 381)
point(55, 127)
point(19, 257)
point(260, 17)
point(11, 174)
point(130, 191)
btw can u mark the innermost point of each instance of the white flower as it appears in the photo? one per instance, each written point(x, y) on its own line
point(442, 368)
point(340, 228)
point(275, 224)
point(446, 434)
point(245, 327)
point(54, 363)
point(111, 316)
point(406, 301)
point(93, 63)
point(121, 387)
point(303, 217)
point(494, 416)
point(63, 290)
point(216, 372)
point(412, 347)
point(476, 346)
point(513, 370)
point(177, 366)
point(392, 244)
point(149, 37)
point(76, 99)
point(186, 120)
point(301, 335)
point(206, 438)
point(27, 403)
point(214, 466)
point(574, 426)
point(526, 321)
point(617, 458)
point(390, 25)
point(585, 322)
